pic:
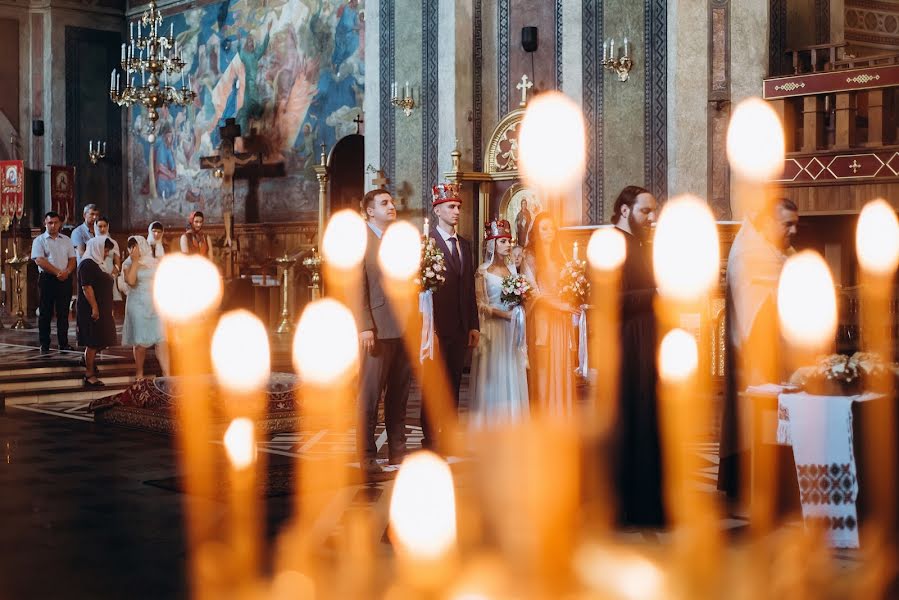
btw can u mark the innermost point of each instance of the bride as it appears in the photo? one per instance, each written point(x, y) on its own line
point(499, 368)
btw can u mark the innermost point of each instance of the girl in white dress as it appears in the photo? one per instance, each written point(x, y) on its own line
point(499, 368)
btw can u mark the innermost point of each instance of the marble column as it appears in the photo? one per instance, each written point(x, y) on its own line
point(573, 211)
point(455, 75)
point(408, 67)
point(688, 68)
point(371, 103)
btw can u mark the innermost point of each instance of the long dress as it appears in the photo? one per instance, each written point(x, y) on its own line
point(101, 333)
point(109, 265)
point(142, 326)
point(638, 450)
point(499, 368)
point(550, 344)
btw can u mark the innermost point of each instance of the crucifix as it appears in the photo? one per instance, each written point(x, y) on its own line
point(524, 86)
point(358, 121)
point(230, 165)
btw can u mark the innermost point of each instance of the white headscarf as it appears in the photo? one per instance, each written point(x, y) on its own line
point(152, 241)
point(94, 249)
point(115, 244)
point(146, 255)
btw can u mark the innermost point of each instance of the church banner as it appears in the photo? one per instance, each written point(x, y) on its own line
point(12, 188)
point(62, 191)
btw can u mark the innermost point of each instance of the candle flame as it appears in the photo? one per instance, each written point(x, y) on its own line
point(240, 352)
point(551, 146)
point(755, 141)
point(423, 507)
point(806, 303)
point(326, 342)
point(678, 356)
point(877, 238)
point(685, 249)
point(240, 443)
point(186, 287)
point(400, 252)
point(345, 239)
point(606, 249)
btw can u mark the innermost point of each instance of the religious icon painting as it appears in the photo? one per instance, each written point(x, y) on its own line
point(519, 206)
point(12, 188)
point(62, 191)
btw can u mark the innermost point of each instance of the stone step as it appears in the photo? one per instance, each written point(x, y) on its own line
point(113, 386)
point(39, 381)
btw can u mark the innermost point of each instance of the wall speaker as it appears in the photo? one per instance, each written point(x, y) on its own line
point(37, 127)
point(529, 39)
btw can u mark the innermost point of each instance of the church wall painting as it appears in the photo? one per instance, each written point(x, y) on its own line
point(291, 72)
point(9, 91)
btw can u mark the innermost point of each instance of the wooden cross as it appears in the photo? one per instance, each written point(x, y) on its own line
point(524, 86)
point(381, 180)
point(231, 165)
point(358, 121)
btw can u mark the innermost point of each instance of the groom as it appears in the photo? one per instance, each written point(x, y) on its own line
point(455, 308)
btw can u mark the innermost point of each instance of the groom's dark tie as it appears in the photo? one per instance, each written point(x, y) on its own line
point(454, 247)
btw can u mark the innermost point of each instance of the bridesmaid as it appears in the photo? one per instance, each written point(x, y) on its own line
point(499, 368)
point(552, 336)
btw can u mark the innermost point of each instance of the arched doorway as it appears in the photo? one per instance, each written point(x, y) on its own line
point(346, 167)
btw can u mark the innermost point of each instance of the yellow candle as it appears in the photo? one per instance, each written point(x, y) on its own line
point(343, 247)
point(806, 304)
point(241, 359)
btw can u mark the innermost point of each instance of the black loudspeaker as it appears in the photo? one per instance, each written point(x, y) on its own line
point(37, 127)
point(529, 39)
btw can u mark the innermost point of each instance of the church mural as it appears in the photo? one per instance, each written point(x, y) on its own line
point(290, 72)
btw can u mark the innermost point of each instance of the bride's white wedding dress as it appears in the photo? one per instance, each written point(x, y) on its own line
point(499, 367)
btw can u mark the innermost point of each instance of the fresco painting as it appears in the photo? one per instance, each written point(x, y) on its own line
point(289, 71)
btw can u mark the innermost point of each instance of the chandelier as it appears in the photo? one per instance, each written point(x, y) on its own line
point(152, 63)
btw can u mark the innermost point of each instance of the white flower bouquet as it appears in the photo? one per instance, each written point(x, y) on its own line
point(515, 290)
point(433, 267)
point(841, 374)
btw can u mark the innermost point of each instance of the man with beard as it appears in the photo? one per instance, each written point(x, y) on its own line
point(638, 467)
point(756, 258)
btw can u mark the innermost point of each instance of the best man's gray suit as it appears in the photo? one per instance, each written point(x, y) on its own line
point(384, 368)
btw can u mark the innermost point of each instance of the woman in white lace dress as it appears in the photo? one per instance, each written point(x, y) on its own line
point(499, 367)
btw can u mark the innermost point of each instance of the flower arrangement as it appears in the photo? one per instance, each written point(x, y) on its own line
point(431, 274)
point(574, 286)
point(515, 290)
point(843, 374)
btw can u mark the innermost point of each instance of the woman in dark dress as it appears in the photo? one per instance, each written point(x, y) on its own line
point(96, 324)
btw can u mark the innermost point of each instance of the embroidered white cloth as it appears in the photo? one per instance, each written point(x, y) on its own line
point(426, 308)
point(820, 430)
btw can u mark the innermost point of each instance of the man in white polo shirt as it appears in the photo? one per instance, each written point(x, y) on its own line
point(55, 257)
point(84, 232)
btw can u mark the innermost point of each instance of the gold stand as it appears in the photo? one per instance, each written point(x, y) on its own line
point(285, 263)
point(314, 264)
point(5, 220)
point(17, 263)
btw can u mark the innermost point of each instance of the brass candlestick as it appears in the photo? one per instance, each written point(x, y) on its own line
point(5, 220)
point(285, 263)
point(314, 264)
point(17, 262)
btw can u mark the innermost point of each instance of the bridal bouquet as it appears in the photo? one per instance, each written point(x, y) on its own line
point(433, 266)
point(574, 286)
point(515, 290)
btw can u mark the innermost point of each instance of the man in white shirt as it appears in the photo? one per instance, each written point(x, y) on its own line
point(54, 255)
point(85, 231)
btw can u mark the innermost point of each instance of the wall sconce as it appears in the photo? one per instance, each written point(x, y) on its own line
point(98, 153)
point(621, 66)
point(405, 102)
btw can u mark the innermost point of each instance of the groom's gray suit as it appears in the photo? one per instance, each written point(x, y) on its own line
point(385, 368)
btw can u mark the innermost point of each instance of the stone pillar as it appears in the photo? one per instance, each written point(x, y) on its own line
point(408, 56)
point(573, 211)
point(688, 65)
point(371, 103)
point(749, 39)
point(455, 78)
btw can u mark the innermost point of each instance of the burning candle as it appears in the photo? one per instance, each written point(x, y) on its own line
point(343, 247)
point(574, 252)
point(241, 360)
point(806, 303)
point(185, 290)
point(877, 244)
point(552, 150)
point(685, 249)
point(755, 149)
point(423, 520)
point(426, 228)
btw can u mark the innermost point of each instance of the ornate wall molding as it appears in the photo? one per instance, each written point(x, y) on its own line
point(872, 23)
point(558, 48)
point(477, 88)
point(655, 115)
point(429, 111)
point(387, 55)
point(593, 94)
point(502, 61)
